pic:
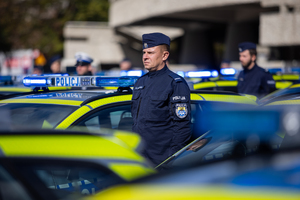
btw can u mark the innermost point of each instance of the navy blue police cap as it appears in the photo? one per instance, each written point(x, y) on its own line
point(155, 39)
point(246, 45)
point(83, 59)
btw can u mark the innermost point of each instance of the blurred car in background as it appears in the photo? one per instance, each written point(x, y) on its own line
point(263, 176)
point(222, 133)
point(68, 162)
point(226, 81)
point(282, 97)
point(264, 173)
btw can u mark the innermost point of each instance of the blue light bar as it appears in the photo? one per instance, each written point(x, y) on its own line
point(75, 81)
point(275, 70)
point(202, 74)
point(228, 71)
point(124, 81)
point(79, 81)
point(132, 73)
point(180, 73)
point(295, 69)
point(4, 79)
point(37, 81)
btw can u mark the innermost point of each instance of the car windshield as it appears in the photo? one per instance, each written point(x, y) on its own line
point(278, 93)
point(32, 116)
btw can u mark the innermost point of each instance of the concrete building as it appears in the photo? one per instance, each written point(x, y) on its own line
point(204, 32)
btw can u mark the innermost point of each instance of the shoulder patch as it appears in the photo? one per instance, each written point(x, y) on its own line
point(176, 77)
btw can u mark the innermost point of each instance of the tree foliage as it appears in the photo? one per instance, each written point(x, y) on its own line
point(39, 23)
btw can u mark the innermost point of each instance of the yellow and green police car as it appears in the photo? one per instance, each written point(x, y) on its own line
point(74, 161)
point(260, 177)
point(92, 110)
point(287, 96)
point(227, 80)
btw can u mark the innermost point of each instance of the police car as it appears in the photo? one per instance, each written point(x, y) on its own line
point(282, 97)
point(222, 133)
point(91, 110)
point(283, 75)
point(226, 81)
point(265, 174)
point(69, 162)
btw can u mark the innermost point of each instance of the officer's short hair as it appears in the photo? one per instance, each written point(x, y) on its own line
point(165, 47)
point(253, 52)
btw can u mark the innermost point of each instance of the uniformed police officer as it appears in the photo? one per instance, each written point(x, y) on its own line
point(160, 102)
point(83, 64)
point(253, 79)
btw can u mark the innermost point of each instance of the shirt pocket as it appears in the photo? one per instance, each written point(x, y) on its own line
point(135, 103)
point(159, 107)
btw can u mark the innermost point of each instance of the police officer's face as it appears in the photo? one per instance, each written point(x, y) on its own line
point(246, 59)
point(154, 57)
point(81, 70)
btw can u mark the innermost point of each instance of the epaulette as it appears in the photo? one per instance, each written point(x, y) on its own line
point(176, 77)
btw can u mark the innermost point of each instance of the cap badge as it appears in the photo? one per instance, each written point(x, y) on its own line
point(240, 49)
point(145, 45)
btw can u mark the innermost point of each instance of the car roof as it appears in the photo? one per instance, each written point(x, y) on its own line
point(78, 97)
point(75, 98)
point(222, 96)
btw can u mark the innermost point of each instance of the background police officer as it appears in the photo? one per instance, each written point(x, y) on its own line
point(83, 64)
point(160, 102)
point(253, 79)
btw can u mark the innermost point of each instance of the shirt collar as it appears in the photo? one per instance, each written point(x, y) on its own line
point(159, 72)
point(247, 70)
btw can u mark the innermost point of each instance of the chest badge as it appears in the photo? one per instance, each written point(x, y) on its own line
point(181, 110)
point(241, 79)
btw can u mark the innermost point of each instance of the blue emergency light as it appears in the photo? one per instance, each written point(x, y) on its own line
point(37, 81)
point(124, 81)
point(295, 69)
point(202, 74)
point(275, 70)
point(228, 71)
point(180, 73)
point(132, 73)
point(6, 80)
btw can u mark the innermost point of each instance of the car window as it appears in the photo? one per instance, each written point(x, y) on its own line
point(117, 117)
point(33, 116)
point(66, 178)
point(10, 188)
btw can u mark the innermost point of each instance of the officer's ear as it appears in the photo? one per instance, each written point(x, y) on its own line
point(165, 55)
point(90, 67)
point(253, 58)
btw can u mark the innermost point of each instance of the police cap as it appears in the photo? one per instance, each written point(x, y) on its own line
point(155, 39)
point(246, 45)
point(83, 59)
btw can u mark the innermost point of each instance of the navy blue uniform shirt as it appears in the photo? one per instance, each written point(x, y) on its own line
point(161, 113)
point(256, 81)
